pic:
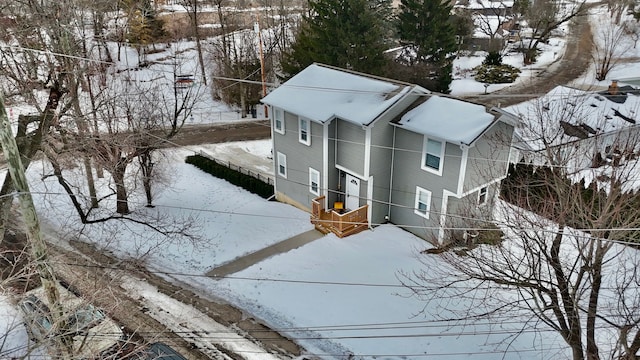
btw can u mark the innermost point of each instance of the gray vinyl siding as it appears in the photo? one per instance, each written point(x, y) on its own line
point(299, 158)
point(408, 173)
point(461, 211)
point(380, 170)
point(333, 173)
point(350, 146)
point(488, 159)
point(382, 135)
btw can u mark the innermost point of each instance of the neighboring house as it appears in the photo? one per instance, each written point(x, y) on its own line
point(494, 24)
point(580, 128)
point(357, 150)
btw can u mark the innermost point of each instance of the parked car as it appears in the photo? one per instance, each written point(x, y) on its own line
point(94, 334)
point(156, 351)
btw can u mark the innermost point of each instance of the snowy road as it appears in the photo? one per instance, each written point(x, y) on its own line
point(126, 293)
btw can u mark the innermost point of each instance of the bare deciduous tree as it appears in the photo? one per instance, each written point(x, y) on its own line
point(239, 60)
point(493, 22)
point(543, 17)
point(191, 6)
point(134, 119)
point(569, 253)
point(609, 45)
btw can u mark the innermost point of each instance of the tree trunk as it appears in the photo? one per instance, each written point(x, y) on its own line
point(34, 237)
point(90, 183)
point(571, 321)
point(592, 310)
point(530, 56)
point(122, 206)
point(27, 147)
point(146, 165)
point(96, 131)
point(196, 33)
point(83, 130)
point(243, 102)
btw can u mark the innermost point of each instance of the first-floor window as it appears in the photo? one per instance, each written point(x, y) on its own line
point(282, 164)
point(482, 196)
point(314, 181)
point(423, 202)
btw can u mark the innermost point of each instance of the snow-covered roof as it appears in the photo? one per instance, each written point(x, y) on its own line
point(566, 114)
point(449, 119)
point(320, 93)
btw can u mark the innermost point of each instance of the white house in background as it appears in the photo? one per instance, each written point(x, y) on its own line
point(357, 150)
point(585, 127)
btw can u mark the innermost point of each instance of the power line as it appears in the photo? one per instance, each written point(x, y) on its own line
point(301, 87)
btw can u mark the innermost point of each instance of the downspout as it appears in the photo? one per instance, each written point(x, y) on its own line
point(324, 186)
point(443, 215)
point(393, 156)
point(274, 153)
point(335, 160)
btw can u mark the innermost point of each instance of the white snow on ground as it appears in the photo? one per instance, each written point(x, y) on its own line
point(191, 323)
point(13, 336)
point(335, 296)
point(627, 66)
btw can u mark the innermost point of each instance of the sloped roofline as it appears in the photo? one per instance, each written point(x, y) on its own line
point(499, 115)
point(375, 77)
point(390, 99)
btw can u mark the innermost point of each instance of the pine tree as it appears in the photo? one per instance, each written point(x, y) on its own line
point(343, 33)
point(426, 29)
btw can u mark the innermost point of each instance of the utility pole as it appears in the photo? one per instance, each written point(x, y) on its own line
point(264, 85)
point(35, 242)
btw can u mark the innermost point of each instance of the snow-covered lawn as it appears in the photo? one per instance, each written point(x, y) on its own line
point(335, 296)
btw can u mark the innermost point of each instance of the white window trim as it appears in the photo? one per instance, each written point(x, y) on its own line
point(486, 195)
point(275, 127)
point(313, 172)
point(300, 121)
point(424, 156)
point(420, 190)
point(282, 160)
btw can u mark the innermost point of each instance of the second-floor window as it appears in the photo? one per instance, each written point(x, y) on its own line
point(433, 156)
point(314, 181)
point(423, 202)
point(278, 120)
point(305, 131)
point(282, 164)
point(482, 196)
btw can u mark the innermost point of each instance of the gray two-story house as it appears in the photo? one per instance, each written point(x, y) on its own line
point(357, 150)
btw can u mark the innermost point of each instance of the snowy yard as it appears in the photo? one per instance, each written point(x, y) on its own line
point(334, 296)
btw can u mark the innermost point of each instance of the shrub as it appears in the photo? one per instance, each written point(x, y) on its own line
point(246, 182)
point(492, 58)
point(496, 74)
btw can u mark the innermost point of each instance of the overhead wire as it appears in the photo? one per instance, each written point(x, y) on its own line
point(312, 88)
point(358, 337)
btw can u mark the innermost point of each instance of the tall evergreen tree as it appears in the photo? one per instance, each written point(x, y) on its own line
point(427, 31)
point(343, 33)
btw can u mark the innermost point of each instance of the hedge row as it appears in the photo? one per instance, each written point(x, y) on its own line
point(246, 182)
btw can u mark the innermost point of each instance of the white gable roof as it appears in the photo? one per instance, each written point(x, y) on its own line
point(591, 113)
point(455, 121)
point(321, 93)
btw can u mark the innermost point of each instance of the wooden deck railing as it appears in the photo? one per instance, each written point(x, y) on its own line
point(342, 225)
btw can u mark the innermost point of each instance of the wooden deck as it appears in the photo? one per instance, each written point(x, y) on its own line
point(341, 224)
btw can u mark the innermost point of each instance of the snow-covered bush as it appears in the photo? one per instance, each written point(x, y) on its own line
point(496, 74)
